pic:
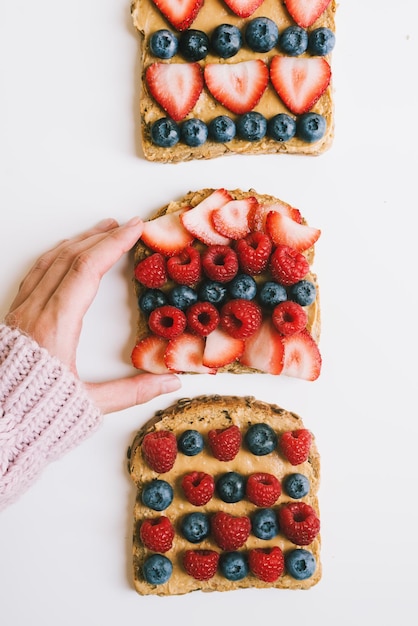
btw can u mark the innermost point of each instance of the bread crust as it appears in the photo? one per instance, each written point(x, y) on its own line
point(205, 413)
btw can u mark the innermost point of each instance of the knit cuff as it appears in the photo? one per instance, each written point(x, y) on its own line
point(44, 412)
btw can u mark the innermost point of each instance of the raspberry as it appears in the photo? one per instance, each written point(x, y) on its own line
point(202, 318)
point(241, 318)
point(167, 321)
point(289, 318)
point(185, 268)
point(230, 532)
point(159, 449)
point(157, 534)
point(266, 563)
point(225, 443)
point(151, 272)
point(298, 523)
point(198, 487)
point(254, 252)
point(220, 263)
point(295, 445)
point(201, 564)
point(287, 265)
point(263, 489)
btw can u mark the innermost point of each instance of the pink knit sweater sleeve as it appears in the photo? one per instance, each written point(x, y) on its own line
point(44, 412)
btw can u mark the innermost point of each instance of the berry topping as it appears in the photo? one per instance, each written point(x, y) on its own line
point(193, 132)
point(263, 489)
point(180, 14)
point(152, 272)
point(185, 268)
point(253, 252)
point(285, 231)
point(157, 495)
point(163, 44)
point(195, 527)
point(302, 358)
point(201, 564)
point(203, 318)
point(241, 318)
point(300, 81)
point(243, 8)
point(222, 129)
point(259, 215)
point(303, 292)
point(264, 524)
point(225, 443)
point(261, 34)
point(157, 569)
point(261, 439)
point(231, 487)
point(237, 86)
point(148, 355)
point(294, 40)
point(289, 318)
point(281, 127)
point(194, 44)
point(243, 286)
point(185, 353)
point(311, 127)
point(271, 294)
point(300, 564)
point(295, 445)
point(151, 299)
point(321, 41)
point(264, 350)
point(233, 565)
point(175, 86)
point(252, 126)
point(222, 349)
point(231, 220)
point(190, 442)
point(267, 564)
point(157, 534)
point(167, 321)
point(212, 291)
point(182, 296)
point(159, 449)
point(198, 221)
point(230, 532)
point(296, 486)
point(198, 487)
point(306, 12)
point(226, 40)
point(220, 263)
point(299, 522)
point(287, 265)
point(165, 133)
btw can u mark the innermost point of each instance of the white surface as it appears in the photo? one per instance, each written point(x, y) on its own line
point(69, 155)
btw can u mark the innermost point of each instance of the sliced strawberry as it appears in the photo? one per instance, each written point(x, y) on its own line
point(301, 81)
point(166, 234)
point(264, 350)
point(184, 354)
point(238, 86)
point(231, 220)
point(257, 216)
point(148, 355)
point(302, 358)
point(221, 349)
point(180, 13)
point(198, 221)
point(306, 12)
point(243, 8)
point(284, 231)
point(175, 86)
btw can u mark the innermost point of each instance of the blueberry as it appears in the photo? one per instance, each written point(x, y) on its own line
point(252, 126)
point(270, 294)
point(261, 34)
point(294, 41)
point(195, 527)
point(243, 286)
point(296, 486)
point(212, 291)
point(233, 565)
point(321, 41)
point(261, 439)
point(222, 129)
point(165, 133)
point(157, 494)
point(163, 44)
point(157, 569)
point(264, 524)
point(182, 296)
point(151, 299)
point(194, 132)
point(226, 40)
point(303, 292)
point(281, 127)
point(190, 442)
point(194, 44)
point(300, 563)
point(311, 127)
point(231, 487)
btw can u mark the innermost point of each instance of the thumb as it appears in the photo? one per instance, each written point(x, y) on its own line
point(117, 395)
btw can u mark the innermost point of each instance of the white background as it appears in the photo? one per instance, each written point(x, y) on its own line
point(69, 156)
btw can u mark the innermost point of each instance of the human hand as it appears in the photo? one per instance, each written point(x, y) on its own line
point(56, 294)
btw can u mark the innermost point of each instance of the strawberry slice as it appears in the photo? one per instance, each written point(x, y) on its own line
point(238, 86)
point(175, 86)
point(184, 354)
point(282, 230)
point(231, 220)
point(264, 349)
point(300, 82)
point(302, 358)
point(221, 349)
point(243, 8)
point(166, 234)
point(148, 355)
point(257, 216)
point(180, 13)
point(306, 12)
point(198, 221)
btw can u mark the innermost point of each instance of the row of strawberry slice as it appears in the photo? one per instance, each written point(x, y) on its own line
point(299, 82)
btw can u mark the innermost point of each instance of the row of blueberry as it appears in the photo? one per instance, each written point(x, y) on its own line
point(252, 126)
point(260, 35)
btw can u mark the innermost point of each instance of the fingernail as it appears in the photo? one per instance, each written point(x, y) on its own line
point(134, 221)
point(108, 222)
point(170, 383)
